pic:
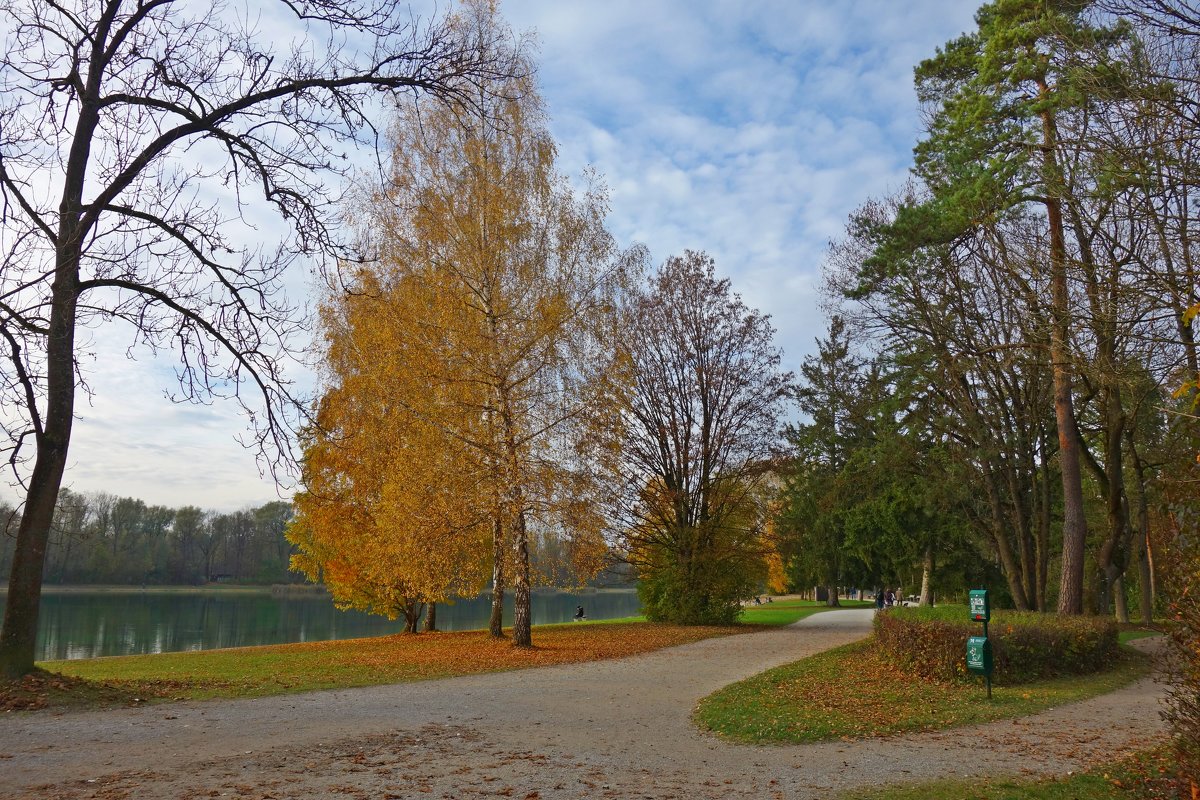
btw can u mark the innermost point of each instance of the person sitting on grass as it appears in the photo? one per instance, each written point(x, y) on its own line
point(579, 613)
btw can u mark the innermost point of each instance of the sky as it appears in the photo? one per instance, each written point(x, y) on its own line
point(748, 129)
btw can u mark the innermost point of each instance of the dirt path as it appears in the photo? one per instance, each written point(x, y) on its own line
point(608, 729)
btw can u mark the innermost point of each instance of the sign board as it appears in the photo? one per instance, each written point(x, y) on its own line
point(981, 609)
point(979, 655)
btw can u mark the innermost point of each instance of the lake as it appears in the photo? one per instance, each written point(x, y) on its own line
point(82, 623)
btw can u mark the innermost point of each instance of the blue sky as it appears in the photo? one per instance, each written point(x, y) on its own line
point(746, 129)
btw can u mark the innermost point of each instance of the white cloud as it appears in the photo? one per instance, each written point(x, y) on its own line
point(130, 440)
point(749, 129)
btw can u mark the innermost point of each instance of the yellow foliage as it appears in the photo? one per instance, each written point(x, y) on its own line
point(460, 365)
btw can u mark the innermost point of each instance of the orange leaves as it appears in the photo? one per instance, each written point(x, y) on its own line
point(459, 366)
point(258, 671)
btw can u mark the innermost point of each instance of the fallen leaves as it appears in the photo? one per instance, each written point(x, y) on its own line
point(41, 689)
point(278, 669)
point(856, 692)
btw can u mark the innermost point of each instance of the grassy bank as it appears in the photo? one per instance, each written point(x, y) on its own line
point(851, 693)
point(279, 669)
point(785, 612)
point(1146, 776)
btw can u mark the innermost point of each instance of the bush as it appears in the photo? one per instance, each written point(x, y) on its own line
point(1181, 582)
point(703, 591)
point(1026, 646)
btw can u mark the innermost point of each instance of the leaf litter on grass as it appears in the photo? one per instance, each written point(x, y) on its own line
point(852, 692)
point(277, 669)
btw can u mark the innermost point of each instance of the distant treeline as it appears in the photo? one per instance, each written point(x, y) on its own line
point(101, 538)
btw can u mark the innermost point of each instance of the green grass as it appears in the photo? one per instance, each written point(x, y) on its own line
point(785, 612)
point(777, 613)
point(850, 693)
point(283, 669)
point(1091, 786)
point(1146, 776)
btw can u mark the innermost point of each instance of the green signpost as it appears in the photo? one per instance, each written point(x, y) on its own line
point(979, 648)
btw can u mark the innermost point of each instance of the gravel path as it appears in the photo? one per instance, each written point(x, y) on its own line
point(607, 729)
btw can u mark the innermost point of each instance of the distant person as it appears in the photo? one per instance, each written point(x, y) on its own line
point(757, 600)
point(890, 599)
point(879, 600)
point(578, 613)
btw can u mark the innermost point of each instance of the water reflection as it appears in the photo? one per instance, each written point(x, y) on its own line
point(87, 624)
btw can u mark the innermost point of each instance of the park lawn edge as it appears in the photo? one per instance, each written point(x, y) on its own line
point(848, 693)
point(1143, 775)
point(268, 670)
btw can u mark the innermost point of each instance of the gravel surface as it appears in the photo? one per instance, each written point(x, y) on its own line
point(606, 729)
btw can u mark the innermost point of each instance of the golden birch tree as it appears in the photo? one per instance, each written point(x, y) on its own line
point(390, 518)
point(488, 280)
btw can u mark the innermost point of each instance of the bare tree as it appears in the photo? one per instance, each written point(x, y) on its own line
point(700, 425)
point(135, 138)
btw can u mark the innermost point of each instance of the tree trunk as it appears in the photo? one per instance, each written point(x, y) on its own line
point(927, 576)
point(496, 623)
point(1008, 561)
point(431, 618)
point(412, 615)
point(18, 637)
point(1070, 598)
point(1120, 602)
point(1043, 530)
point(522, 633)
point(1141, 539)
point(831, 597)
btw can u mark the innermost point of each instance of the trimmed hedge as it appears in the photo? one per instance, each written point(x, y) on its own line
point(1026, 646)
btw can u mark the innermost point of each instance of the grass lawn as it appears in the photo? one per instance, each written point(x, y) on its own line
point(851, 693)
point(785, 612)
point(280, 669)
point(1147, 776)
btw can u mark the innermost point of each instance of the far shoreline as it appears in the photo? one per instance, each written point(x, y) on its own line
point(247, 588)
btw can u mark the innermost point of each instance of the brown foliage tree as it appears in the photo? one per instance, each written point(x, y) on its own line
point(699, 426)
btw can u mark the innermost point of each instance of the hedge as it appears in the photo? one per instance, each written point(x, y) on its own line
point(1026, 646)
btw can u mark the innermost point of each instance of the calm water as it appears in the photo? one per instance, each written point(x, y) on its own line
point(81, 624)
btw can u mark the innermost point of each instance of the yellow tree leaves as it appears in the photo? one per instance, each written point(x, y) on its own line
point(463, 361)
point(394, 510)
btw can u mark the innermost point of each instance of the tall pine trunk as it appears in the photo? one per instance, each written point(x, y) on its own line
point(1070, 598)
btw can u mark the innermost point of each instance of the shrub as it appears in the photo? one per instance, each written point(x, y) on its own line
point(1026, 646)
point(702, 591)
point(1181, 581)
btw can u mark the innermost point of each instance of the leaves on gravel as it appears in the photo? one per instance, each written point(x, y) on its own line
point(259, 671)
